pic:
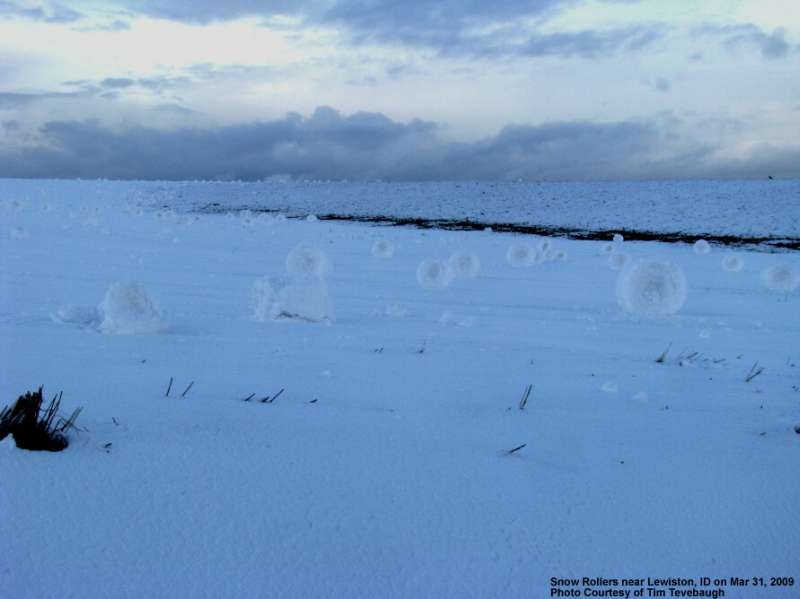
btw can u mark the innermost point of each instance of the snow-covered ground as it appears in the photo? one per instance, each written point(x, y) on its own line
point(382, 470)
point(733, 208)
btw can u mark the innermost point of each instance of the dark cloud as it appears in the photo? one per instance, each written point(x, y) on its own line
point(771, 45)
point(366, 146)
point(51, 12)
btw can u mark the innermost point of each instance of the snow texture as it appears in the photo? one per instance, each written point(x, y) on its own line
point(465, 265)
point(127, 309)
point(434, 274)
point(652, 288)
point(383, 469)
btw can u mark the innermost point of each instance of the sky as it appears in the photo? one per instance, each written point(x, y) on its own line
point(416, 90)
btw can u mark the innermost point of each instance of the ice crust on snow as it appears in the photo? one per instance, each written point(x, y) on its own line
point(652, 288)
point(127, 309)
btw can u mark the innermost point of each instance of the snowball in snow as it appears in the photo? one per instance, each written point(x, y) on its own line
point(86, 316)
point(610, 387)
point(618, 238)
point(781, 277)
point(701, 246)
point(465, 266)
point(312, 218)
point(434, 274)
point(307, 260)
point(383, 248)
point(732, 263)
point(302, 297)
point(127, 309)
point(618, 260)
point(520, 255)
point(652, 288)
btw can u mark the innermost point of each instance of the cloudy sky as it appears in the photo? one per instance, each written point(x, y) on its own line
point(400, 90)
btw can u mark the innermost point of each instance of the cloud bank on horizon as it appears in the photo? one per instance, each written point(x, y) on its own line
point(421, 90)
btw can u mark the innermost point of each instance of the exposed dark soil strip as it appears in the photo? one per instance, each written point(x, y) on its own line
point(762, 243)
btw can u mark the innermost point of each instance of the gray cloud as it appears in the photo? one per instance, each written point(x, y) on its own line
point(51, 12)
point(590, 44)
point(450, 27)
point(457, 27)
point(116, 25)
point(365, 146)
point(206, 11)
point(771, 45)
point(14, 100)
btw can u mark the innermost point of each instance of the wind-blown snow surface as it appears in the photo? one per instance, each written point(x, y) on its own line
point(395, 481)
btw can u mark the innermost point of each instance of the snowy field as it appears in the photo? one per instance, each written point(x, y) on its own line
point(383, 468)
point(721, 208)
